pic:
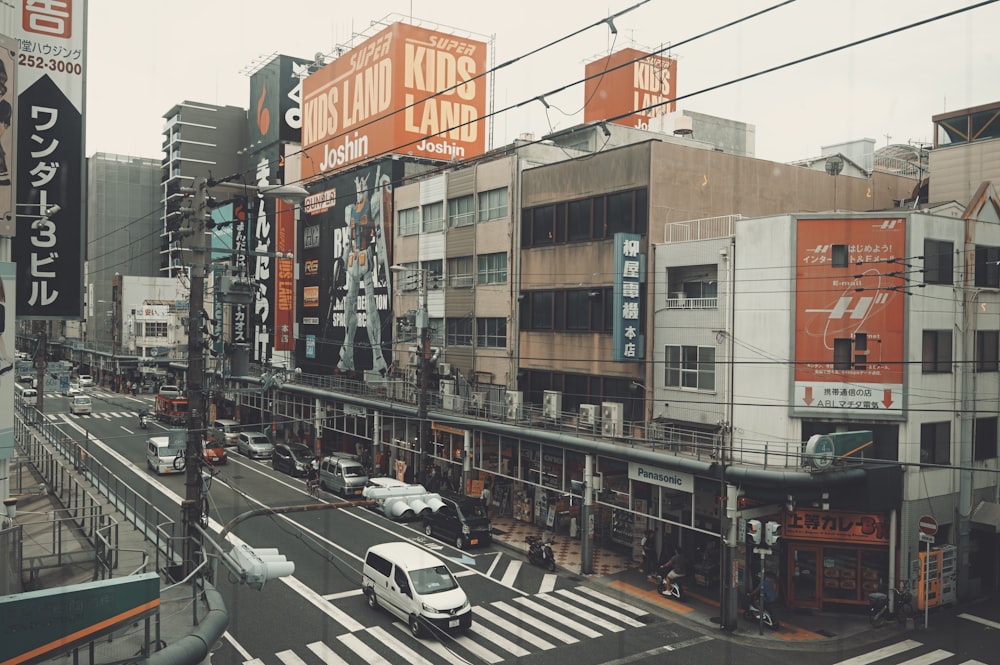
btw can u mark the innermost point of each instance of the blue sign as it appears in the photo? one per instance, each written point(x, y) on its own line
point(310, 346)
point(627, 334)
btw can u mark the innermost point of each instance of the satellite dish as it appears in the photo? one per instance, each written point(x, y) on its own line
point(834, 165)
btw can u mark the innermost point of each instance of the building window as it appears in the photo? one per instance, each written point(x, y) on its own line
point(690, 367)
point(493, 204)
point(842, 352)
point(937, 352)
point(579, 225)
point(460, 272)
point(985, 444)
point(409, 278)
point(491, 268)
point(987, 268)
point(491, 332)
point(839, 256)
point(433, 216)
point(461, 211)
point(935, 443)
point(987, 348)
point(541, 310)
point(409, 221)
point(938, 257)
point(458, 332)
point(155, 329)
point(433, 272)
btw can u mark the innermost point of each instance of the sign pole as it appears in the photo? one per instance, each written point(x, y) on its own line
point(927, 582)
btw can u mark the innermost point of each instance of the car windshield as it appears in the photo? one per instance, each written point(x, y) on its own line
point(301, 453)
point(472, 509)
point(174, 450)
point(432, 580)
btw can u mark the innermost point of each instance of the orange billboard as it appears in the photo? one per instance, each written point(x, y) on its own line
point(641, 81)
point(849, 315)
point(381, 97)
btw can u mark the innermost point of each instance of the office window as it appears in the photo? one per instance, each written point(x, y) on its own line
point(458, 332)
point(985, 443)
point(936, 357)
point(839, 256)
point(491, 332)
point(935, 443)
point(690, 367)
point(155, 329)
point(460, 272)
point(491, 268)
point(461, 211)
point(987, 348)
point(938, 258)
point(493, 204)
point(433, 273)
point(541, 310)
point(409, 221)
point(543, 225)
point(577, 310)
point(987, 270)
point(579, 220)
point(433, 214)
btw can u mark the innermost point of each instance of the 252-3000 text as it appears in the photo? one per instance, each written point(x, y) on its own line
point(52, 64)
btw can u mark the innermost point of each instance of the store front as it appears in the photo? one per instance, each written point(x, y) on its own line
point(833, 557)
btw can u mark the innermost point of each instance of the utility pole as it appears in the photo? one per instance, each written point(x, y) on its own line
point(424, 331)
point(191, 506)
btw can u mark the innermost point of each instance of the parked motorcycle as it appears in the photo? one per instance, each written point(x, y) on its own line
point(540, 552)
point(752, 613)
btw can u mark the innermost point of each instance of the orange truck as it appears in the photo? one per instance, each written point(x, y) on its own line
point(171, 410)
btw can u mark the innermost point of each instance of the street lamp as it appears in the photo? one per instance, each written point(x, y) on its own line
point(423, 367)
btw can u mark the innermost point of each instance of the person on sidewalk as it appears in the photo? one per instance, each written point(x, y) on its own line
point(648, 552)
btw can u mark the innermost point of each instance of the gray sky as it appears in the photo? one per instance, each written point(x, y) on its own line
point(146, 56)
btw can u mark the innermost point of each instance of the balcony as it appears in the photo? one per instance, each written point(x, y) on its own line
point(681, 301)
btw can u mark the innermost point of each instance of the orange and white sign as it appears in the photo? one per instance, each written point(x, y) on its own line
point(630, 82)
point(381, 97)
point(849, 315)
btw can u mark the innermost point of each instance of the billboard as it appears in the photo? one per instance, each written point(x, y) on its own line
point(261, 238)
point(344, 299)
point(8, 130)
point(381, 97)
point(276, 100)
point(8, 373)
point(641, 81)
point(50, 165)
point(627, 327)
point(849, 317)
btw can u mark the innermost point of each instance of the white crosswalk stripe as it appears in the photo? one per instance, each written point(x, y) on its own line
point(513, 568)
point(617, 616)
point(905, 651)
point(570, 610)
point(611, 600)
point(326, 654)
point(411, 656)
point(549, 613)
point(518, 631)
point(929, 658)
point(521, 615)
point(880, 654)
point(369, 655)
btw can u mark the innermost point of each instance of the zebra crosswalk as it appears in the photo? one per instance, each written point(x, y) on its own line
point(501, 630)
point(104, 415)
point(908, 652)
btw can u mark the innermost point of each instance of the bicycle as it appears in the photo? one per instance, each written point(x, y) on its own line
point(312, 486)
point(878, 610)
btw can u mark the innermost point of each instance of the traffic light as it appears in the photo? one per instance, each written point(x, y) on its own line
point(771, 535)
point(753, 531)
point(260, 564)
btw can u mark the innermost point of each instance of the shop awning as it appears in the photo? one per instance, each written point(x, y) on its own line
point(987, 516)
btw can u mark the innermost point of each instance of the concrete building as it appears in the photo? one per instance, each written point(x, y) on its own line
point(966, 152)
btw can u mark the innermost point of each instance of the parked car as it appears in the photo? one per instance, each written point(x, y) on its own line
point(225, 430)
point(254, 445)
point(170, 391)
point(213, 451)
point(86, 381)
point(26, 376)
point(292, 458)
point(461, 520)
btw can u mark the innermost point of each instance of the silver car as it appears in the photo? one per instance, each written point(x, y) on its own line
point(254, 445)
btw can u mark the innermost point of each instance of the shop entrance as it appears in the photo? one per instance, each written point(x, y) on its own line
point(803, 576)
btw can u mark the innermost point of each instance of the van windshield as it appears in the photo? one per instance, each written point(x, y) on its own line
point(432, 580)
point(353, 470)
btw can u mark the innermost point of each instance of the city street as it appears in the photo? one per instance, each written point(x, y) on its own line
point(521, 612)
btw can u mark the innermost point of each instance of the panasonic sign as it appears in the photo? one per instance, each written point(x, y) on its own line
point(654, 475)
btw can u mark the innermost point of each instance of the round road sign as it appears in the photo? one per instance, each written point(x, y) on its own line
point(927, 525)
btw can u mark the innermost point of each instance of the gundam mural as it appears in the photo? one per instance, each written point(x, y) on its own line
point(344, 294)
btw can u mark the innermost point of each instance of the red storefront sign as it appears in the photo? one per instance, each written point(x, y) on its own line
point(835, 526)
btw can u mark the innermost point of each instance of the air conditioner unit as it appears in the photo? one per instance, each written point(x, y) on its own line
point(552, 405)
point(611, 418)
point(447, 386)
point(444, 369)
point(514, 401)
point(477, 401)
point(589, 415)
point(453, 403)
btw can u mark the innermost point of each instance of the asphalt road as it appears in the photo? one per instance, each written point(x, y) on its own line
point(521, 613)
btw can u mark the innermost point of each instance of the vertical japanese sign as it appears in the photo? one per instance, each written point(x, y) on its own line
point(8, 132)
point(628, 345)
point(284, 277)
point(262, 247)
point(52, 66)
point(849, 316)
point(240, 326)
point(8, 373)
point(406, 90)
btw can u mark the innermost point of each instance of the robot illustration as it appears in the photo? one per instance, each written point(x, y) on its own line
point(363, 257)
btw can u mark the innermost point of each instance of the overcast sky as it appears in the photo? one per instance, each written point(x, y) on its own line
point(144, 57)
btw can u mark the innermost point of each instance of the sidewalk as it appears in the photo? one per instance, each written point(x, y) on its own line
point(615, 570)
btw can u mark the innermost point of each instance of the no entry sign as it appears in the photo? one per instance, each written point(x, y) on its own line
point(927, 525)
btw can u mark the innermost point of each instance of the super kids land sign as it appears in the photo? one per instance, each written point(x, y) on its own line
point(407, 90)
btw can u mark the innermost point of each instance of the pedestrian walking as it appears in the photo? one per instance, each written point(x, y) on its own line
point(648, 552)
point(484, 497)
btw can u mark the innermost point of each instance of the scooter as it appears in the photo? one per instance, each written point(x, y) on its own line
point(540, 552)
point(752, 613)
point(668, 587)
point(143, 420)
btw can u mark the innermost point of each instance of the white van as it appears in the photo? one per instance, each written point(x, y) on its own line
point(415, 586)
point(29, 396)
point(225, 431)
point(162, 451)
point(343, 475)
point(79, 404)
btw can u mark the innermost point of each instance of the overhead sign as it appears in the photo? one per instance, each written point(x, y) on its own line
point(927, 525)
point(676, 480)
point(631, 86)
point(407, 90)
